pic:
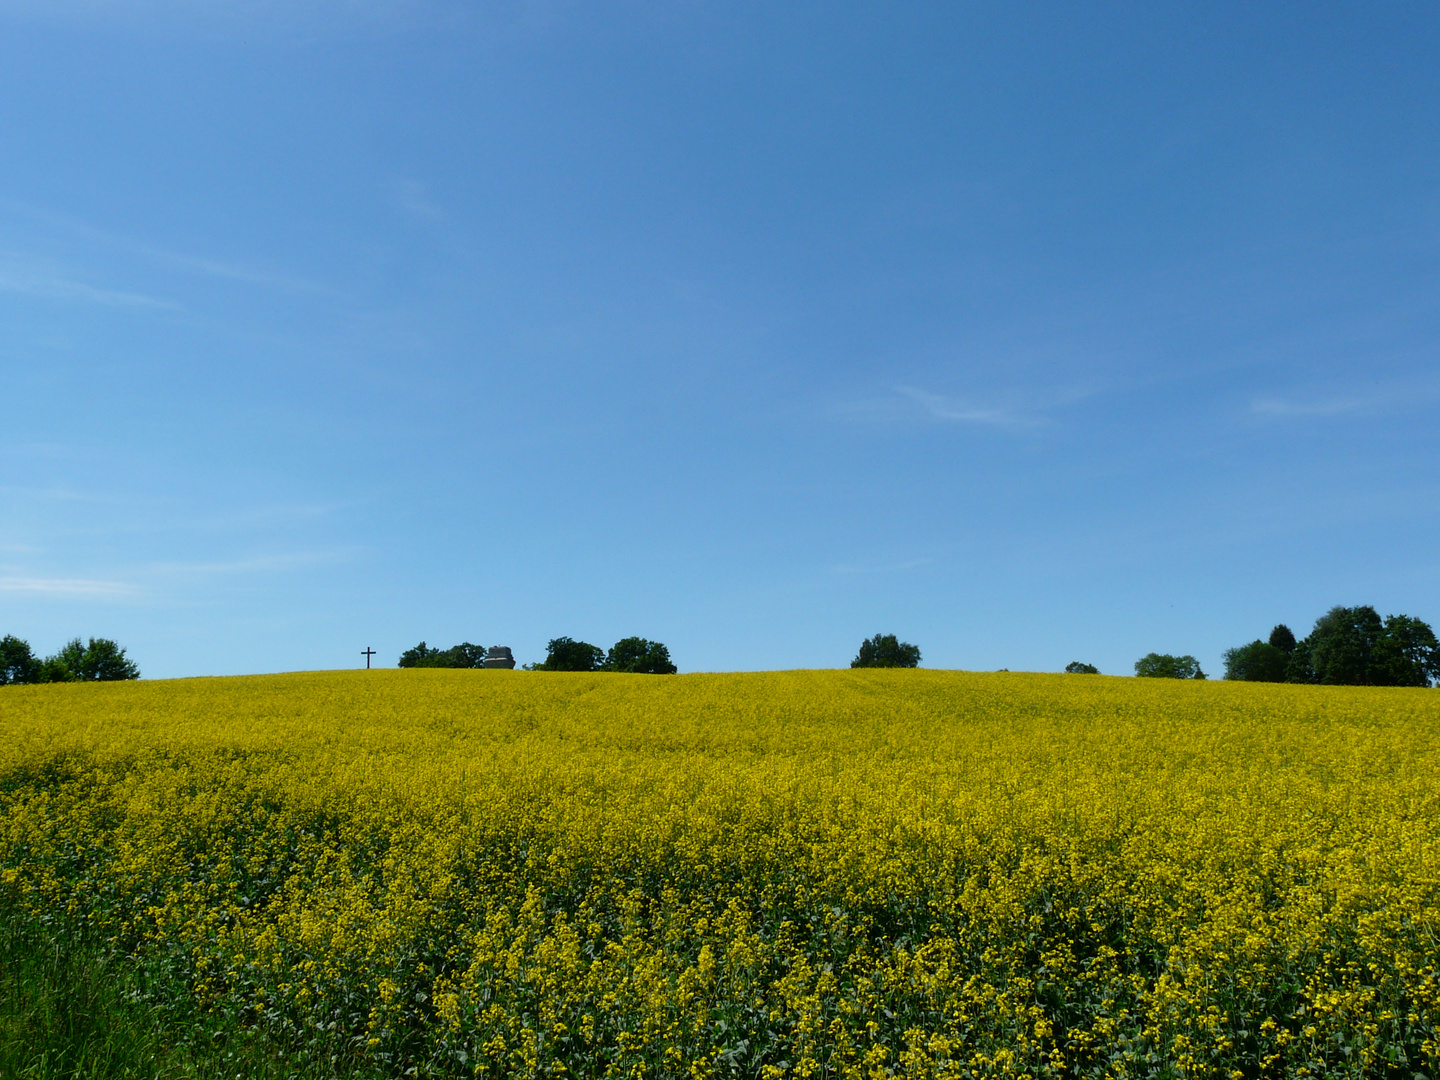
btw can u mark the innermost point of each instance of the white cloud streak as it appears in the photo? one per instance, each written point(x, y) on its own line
point(259, 564)
point(1381, 397)
point(25, 277)
point(1280, 407)
point(68, 588)
point(957, 410)
point(206, 267)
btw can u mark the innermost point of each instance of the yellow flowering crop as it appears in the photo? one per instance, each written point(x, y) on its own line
point(802, 874)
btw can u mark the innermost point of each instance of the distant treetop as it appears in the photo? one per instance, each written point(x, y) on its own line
point(463, 655)
point(884, 650)
point(632, 655)
point(1164, 666)
point(567, 654)
point(1348, 646)
point(1282, 638)
point(98, 660)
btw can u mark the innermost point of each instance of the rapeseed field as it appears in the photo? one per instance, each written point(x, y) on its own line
point(803, 874)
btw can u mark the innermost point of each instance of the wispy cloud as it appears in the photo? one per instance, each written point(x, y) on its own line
point(62, 494)
point(225, 270)
point(257, 564)
point(159, 579)
point(966, 411)
point(29, 277)
point(1324, 407)
point(1377, 398)
point(68, 588)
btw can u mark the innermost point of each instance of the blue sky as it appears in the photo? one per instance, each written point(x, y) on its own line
point(1028, 332)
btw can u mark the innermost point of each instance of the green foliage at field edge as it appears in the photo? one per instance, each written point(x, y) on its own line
point(71, 1010)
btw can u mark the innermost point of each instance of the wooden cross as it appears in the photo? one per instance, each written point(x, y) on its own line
point(369, 652)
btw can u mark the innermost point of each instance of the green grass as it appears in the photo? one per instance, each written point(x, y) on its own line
point(70, 1011)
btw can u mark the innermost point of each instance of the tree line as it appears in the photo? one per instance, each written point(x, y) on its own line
point(463, 655)
point(98, 660)
point(1348, 646)
point(634, 655)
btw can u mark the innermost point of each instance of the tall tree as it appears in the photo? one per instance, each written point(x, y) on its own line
point(1342, 646)
point(1353, 646)
point(1406, 654)
point(1075, 667)
point(1283, 638)
point(885, 650)
point(1299, 667)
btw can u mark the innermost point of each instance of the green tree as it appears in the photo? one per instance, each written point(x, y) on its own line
point(567, 654)
point(1164, 666)
point(1298, 666)
point(638, 656)
point(1342, 646)
point(1075, 667)
point(421, 655)
point(99, 660)
point(1257, 662)
point(18, 665)
point(463, 655)
point(1283, 638)
point(1406, 653)
point(884, 650)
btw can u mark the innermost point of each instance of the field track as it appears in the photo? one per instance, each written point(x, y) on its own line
point(829, 873)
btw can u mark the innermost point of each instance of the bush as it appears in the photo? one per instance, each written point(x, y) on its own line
point(1075, 667)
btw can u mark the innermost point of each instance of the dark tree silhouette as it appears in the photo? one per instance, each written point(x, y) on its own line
point(567, 654)
point(18, 665)
point(463, 655)
point(1257, 662)
point(640, 657)
point(884, 650)
point(1283, 638)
